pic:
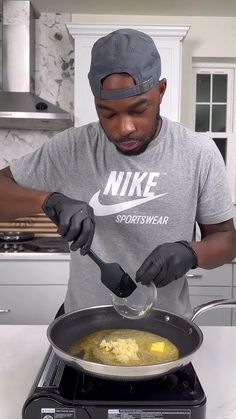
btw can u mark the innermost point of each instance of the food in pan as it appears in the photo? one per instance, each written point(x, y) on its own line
point(124, 350)
point(127, 347)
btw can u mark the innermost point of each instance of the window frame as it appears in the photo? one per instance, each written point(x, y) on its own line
point(203, 67)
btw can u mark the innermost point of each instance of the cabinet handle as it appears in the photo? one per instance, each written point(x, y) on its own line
point(190, 276)
point(5, 310)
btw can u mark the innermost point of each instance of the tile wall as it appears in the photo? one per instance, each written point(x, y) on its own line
point(54, 74)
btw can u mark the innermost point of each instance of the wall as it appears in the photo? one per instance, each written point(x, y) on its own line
point(54, 71)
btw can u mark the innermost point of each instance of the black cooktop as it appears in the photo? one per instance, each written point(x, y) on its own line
point(36, 244)
point(63, 392)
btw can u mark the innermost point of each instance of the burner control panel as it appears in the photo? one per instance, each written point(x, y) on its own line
point(63, 392)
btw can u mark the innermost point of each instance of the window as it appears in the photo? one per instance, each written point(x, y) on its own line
point(214, 99)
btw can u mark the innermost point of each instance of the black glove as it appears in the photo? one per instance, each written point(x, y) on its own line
point(75, 220)
point(167, 262)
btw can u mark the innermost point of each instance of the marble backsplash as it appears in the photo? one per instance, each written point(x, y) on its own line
point(54, 81)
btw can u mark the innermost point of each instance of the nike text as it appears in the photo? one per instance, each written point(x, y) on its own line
point(134, 189)
point(130, 184)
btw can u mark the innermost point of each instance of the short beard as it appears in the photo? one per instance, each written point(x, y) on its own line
point(133, 152)
point(141, 150)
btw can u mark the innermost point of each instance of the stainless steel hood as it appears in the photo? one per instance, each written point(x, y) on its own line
point(19, 106)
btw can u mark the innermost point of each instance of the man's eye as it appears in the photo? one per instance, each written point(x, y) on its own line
point(109, 116)
point(138, 112)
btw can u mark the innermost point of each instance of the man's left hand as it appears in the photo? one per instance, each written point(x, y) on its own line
point(166, 263)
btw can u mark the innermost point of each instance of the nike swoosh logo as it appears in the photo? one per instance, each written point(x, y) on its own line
point(101, 209)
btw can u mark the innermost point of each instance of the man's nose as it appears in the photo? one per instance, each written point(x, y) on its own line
point(126, 126)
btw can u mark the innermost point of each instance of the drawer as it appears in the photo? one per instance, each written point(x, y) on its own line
point(33, 304)
point(34, 272)
point(234, 310)
point(234, 274)
point(221, 276)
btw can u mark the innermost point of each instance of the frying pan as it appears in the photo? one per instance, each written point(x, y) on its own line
point(183, 332)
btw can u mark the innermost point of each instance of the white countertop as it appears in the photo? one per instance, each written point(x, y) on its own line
point(23, 348)
point(34, 256)
point(41, 256)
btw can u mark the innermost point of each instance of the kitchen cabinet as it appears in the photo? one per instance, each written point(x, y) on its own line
point(31, 291)
point(208, 285)
point(234, 310)
point(217, 316)
point(30, 304)
point(234, 295)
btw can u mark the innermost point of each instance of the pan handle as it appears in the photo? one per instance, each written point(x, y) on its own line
point(231, 303)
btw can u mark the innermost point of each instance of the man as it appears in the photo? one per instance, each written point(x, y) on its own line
point(140, 181)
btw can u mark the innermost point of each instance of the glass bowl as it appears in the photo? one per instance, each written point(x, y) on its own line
point(138, 304)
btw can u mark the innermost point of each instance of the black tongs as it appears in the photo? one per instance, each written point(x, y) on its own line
point(114, 277)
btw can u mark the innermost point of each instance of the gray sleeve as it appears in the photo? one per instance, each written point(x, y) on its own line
point(214, 199)
point(47, 168)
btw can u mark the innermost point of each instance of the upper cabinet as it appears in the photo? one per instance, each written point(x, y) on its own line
point(169, 43)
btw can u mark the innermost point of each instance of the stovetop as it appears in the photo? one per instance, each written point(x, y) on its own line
point(62, 388)
point(36, 244)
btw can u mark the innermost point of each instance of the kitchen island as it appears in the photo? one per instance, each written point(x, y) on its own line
point(23, 348)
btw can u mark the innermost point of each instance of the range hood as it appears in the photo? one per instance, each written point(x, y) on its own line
point(19, 106)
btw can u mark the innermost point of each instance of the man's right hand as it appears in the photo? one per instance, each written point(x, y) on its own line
point(75, 220)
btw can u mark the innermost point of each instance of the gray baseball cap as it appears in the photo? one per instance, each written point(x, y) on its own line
point(124, 51)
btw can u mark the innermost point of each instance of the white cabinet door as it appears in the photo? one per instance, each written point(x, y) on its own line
point(234, 294)
point(221, 276)
point(32, 291)
point(30, 304)
point(234, 274)
point(214, 317)
point(34, 272)
point(234, 310)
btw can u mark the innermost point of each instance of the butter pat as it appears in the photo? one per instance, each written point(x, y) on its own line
point(158, 346)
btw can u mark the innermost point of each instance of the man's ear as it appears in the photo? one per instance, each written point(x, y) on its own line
point(162, 88)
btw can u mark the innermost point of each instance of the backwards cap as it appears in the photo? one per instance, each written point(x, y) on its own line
point(124, 51)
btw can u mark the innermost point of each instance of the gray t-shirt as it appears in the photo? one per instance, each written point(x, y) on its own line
point(139, 201)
